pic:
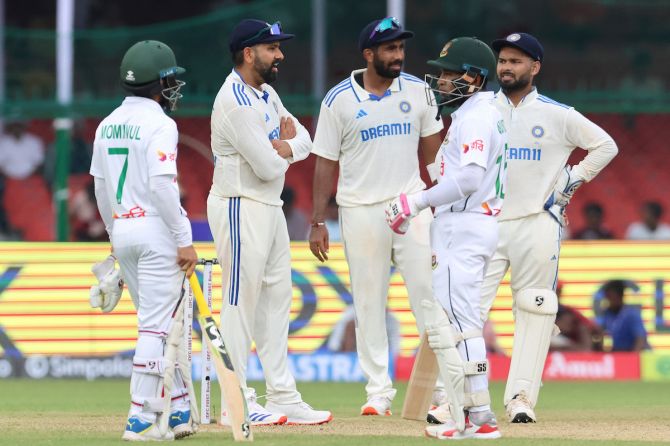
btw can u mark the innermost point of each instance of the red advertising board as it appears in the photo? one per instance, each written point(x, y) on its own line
point(559, 367)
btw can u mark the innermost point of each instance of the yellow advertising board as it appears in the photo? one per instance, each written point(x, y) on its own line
point(44, 296)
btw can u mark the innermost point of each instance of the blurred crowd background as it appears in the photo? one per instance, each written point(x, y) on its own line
point(608, 58)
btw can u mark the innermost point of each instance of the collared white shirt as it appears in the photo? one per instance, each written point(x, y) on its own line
point(19, 158)
point(244, 120)
point(476, 136)
point(135, 142)
point(375, 139)
point(542, 134)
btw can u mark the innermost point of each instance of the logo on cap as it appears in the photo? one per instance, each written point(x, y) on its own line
point(130, 76)
point(445, 50)
point(513, 37)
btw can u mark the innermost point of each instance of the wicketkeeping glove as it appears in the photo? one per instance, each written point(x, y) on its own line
point(106, 294)
point(566, 185)
point(399, 211)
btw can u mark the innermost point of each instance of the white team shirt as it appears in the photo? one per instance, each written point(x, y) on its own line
point(476, 136)
point(542, 134)
point(135, 142)
point(375, 139)
point(244, 120)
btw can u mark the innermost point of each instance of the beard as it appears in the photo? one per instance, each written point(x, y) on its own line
point(516, 84)
point(265, 71)
point(385, 70)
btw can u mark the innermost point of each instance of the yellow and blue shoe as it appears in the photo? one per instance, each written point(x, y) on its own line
point(138, 430)
point(180, 423)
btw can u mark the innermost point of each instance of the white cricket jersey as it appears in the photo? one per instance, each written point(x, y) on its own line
point(244, 120)
point(135, 142)
point(375, 139)
point(476, 136)
point(542, 134)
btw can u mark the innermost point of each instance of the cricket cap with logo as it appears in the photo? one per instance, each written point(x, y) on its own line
point(250, 32)
point(521, 41)
point(380, 31)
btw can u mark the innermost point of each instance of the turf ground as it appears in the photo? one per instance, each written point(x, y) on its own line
point(74, 412)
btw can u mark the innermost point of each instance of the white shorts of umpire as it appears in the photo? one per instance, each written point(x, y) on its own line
point(534, 325)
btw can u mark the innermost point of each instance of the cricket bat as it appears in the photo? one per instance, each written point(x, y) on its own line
point(230, 385)
point(421, 383)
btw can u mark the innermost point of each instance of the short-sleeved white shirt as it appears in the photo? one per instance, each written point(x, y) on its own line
point(135, 142)
point(375, 139)
point(476, 136)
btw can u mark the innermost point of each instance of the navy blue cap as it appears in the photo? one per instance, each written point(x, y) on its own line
point(374, 34)
point(522, 41)
point(250, 32)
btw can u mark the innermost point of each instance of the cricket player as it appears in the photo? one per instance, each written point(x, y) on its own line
point(468, 197)
point(135, 172)
point(254, 140)
point(371, 125)
point(542, 134)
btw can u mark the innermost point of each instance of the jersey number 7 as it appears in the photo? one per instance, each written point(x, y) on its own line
point(124, 170)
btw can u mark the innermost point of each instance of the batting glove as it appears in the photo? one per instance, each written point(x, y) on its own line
point(107, 293)
point(399, 211)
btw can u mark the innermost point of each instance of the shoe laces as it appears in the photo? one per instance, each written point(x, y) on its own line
point(521, 398)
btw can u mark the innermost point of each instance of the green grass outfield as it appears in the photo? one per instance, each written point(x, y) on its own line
point(75, 412)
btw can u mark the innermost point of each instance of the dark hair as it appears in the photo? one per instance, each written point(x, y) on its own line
point(237, 57)
point(617, 286)
point(655, 208)
point(593, 207)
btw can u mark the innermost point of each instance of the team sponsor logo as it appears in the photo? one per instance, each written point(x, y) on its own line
point(274, 134)
point(513, 37)
point(393, 129)
point(405, 107)
point(537, 131)
point(445, 50)
point(162, 156)
point(134, 212)
point(130, 76)
point(477, 144)
point(524, 153)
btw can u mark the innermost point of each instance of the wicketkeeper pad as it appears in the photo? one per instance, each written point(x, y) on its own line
point(534, 325)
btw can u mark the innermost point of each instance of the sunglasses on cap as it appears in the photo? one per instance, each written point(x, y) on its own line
point(384, 25)
point(271, 30)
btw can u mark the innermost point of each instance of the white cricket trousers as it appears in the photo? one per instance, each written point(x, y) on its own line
point(531, 247)
point(463, 244)
point(147, 256)
point(253, 249)
point(371, 247)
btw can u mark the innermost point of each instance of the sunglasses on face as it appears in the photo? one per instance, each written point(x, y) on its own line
point(271, 30)
point(385, 24)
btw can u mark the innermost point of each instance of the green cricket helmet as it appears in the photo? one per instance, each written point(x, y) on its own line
point(148, 68)
point(466, 55)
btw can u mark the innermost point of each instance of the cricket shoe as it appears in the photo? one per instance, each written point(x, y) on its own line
point(138, 430)
point(180, 423)
point(377, 405)
point(300, 413)
point(439, 414)
point(519, 409)
point(478, 425)
point(258, 415)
